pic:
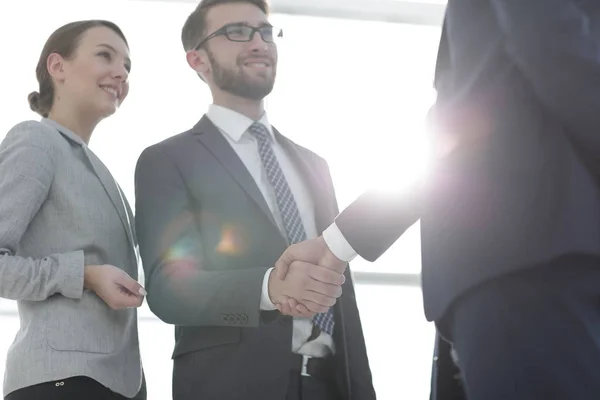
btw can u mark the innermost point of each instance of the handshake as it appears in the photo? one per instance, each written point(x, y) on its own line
point(307, 279)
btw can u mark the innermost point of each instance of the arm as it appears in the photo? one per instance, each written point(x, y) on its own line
point(367, 227)
point(373, 222)
point(553, 45)
point(181, 289)
point(27, 166)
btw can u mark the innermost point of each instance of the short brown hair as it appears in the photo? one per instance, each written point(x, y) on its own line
point(194, 28)
point(63, 41)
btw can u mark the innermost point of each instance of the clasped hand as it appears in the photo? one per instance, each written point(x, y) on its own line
point(307, 279)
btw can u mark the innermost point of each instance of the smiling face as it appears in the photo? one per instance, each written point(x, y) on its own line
point(244, 69)
point(94, 80)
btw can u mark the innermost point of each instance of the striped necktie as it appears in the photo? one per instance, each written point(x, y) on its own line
point(294, 228)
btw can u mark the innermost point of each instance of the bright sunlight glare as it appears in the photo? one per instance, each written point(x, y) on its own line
point(355, 92)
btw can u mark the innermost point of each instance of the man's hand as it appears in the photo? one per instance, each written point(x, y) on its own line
point(313, 251)
point(315, 286)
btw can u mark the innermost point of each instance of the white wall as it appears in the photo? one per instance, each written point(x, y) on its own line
point(355, 92)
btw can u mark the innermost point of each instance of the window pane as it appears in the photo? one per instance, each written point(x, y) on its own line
point(356, 92)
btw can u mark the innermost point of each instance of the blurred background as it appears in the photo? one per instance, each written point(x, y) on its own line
point(354, 84)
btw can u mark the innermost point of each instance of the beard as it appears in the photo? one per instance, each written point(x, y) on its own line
point(239, 84)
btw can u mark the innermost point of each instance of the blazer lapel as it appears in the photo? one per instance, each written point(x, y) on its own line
point(314, 181)
point(106, 179)
point(209, 135)
point(130, 214)
point(110, 187)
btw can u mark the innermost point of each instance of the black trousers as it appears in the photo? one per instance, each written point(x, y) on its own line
point(533, 335)
point(75, 388)
point(446, 383)
point(309, 388)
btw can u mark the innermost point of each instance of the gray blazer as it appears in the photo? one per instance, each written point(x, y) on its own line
point(61, 209)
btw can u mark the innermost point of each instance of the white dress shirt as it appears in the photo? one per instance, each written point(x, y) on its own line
point(337, 243)
point(234, 128)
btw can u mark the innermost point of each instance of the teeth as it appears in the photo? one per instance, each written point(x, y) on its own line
point(110, 90)
point(260, 64)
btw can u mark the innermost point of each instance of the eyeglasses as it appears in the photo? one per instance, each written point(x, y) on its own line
point(244, 33)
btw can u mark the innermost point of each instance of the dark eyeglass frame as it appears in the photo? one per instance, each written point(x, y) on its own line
point(223, 31)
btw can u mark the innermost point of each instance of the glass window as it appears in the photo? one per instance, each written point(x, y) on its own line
point(355, 92)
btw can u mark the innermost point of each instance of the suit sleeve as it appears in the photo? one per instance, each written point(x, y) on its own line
point(181, 288)
point(27, 167)
point(375, 220)
point(556, 46)
point(359, 371)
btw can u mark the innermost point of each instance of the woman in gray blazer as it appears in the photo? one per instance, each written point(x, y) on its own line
point(67, 243)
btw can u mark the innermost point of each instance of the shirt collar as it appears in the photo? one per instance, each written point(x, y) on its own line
point(232, 123)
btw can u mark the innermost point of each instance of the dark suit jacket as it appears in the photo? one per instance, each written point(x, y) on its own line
point(523, 78)
point(207, 238)
point(446, 382)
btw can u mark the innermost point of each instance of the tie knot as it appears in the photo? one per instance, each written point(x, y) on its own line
point(259, 131)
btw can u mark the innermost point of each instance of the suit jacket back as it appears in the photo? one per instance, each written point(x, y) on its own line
point(522, 190)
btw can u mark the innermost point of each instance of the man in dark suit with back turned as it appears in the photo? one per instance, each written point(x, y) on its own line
point(216, 207)
point(510, 218)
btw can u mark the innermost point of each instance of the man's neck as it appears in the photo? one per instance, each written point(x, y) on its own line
point(253, 109)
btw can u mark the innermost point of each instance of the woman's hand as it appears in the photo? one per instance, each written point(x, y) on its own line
point(114, 286)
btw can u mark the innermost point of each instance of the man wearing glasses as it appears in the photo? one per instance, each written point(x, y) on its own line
point(216, 207)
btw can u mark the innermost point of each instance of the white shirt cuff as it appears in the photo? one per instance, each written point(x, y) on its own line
point(265, 300)
point(338, 244)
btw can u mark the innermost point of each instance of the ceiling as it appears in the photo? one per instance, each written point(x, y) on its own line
point(426, 12)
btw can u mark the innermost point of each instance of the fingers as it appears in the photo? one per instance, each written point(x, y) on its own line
point(284, 306)
point(283, 264)
point(288, 307)
point(315, 281)
point(303, 312)
point(323, 301)
point(117, 297)
point(128, 293)
point(325, 275)
point(293, 308)
point(306, 283)
point(114, 286)
point(293, 303)
point(301, 308)
point(126, 299)
point(131, 285)
point(309, 250)
point(281, 268)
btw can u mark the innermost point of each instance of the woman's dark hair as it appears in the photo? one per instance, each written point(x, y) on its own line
point(63, 41)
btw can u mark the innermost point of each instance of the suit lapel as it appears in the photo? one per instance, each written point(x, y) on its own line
point(131, 216)
point(110, 187)
point(106, 179)
point(313, 180)
point(209, 135)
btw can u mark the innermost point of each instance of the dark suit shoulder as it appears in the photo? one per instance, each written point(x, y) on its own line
point(313, 155)
point(169, 146)
point(174, 141)
point(301, 149)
